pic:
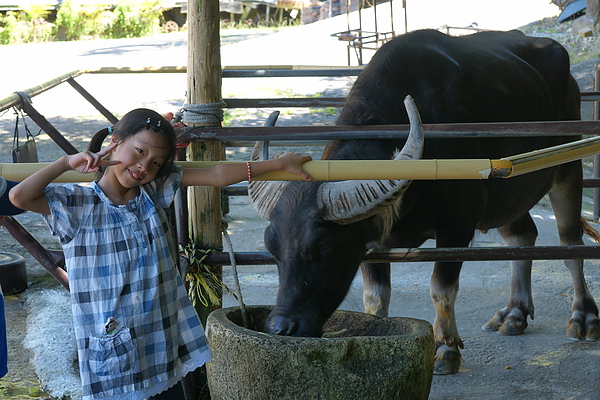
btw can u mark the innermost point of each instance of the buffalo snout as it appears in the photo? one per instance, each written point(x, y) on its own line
point(284, 324)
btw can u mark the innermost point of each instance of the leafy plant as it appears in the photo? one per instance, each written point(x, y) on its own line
point(38, 29)
point(75, 21)
point(8, 27)
point(204, 286)
point(135, 18)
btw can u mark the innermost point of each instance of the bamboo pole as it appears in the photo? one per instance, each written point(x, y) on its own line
point(544, 158)
point(336, 170)
point(325, 170)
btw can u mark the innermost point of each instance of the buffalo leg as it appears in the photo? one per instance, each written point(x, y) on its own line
point(565, 197)
point(512, 319)
point(443, 290)
point(377, 288)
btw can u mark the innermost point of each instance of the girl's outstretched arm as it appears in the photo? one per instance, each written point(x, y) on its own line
point(29, 194)
point(228, 174)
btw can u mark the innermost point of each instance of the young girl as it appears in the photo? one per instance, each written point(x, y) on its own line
point(137, 333)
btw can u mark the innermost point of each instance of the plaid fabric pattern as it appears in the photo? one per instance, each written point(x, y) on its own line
point(121, 265)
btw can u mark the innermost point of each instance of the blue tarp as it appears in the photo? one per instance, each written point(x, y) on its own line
point(574, 9)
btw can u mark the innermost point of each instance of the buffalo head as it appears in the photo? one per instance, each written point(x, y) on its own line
point(319, 232)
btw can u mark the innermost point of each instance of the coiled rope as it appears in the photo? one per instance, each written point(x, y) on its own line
point(208, 113)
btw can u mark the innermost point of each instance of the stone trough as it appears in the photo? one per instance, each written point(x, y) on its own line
point(360, 356)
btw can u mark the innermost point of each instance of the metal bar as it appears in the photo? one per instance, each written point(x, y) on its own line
point(596, 163)
point(591, 183)
point(243, 70)
point(285, 102)
point(86, 95)
point(277, 143)
point(289, 73)
point(340, 132)
point(143, 70)
point(229, 72)
point(43, 123)
point(327, 101)
point(433, 254)
point(38, 252)
point(15, 98)
point(591, 96)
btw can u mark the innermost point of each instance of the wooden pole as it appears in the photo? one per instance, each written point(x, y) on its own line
point(204, 87)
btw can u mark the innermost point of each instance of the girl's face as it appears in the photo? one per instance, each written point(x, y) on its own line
point(141, 157)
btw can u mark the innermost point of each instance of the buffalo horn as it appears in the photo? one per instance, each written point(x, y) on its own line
point(345, 202)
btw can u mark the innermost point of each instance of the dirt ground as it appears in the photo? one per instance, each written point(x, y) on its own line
point(540, 364)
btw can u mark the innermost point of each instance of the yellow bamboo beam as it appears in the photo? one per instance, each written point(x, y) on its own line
point(325, 170)
point(338, 170)
point(552, 156)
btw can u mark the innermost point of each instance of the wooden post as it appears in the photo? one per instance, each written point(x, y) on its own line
point(593, 8)
point(204, 87)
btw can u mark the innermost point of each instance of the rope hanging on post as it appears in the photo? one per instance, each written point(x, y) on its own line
point(209, 113)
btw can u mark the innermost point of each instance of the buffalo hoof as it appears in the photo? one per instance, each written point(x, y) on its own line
point(447, 360)
point(507, 322)
point(583, 326)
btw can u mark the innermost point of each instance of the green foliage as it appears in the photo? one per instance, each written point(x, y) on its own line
point(37, 29)
point(135, 18)
point(8, 27)
point(75, 21)
point(36, 11)
point(26, 26)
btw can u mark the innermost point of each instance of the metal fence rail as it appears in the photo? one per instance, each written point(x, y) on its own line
point(54, 260)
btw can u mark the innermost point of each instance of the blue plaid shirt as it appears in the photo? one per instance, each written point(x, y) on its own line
point(137, 333)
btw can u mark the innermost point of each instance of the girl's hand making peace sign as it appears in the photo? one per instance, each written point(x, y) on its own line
point(87, 161)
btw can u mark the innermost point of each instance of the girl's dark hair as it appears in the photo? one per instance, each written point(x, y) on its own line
point(133, 123)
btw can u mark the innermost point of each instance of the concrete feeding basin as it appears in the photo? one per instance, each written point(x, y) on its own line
point(360, 356)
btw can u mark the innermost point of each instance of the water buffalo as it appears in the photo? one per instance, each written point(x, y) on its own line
point(319, 232)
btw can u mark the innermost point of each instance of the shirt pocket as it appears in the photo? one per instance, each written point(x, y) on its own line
point(113, 354)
